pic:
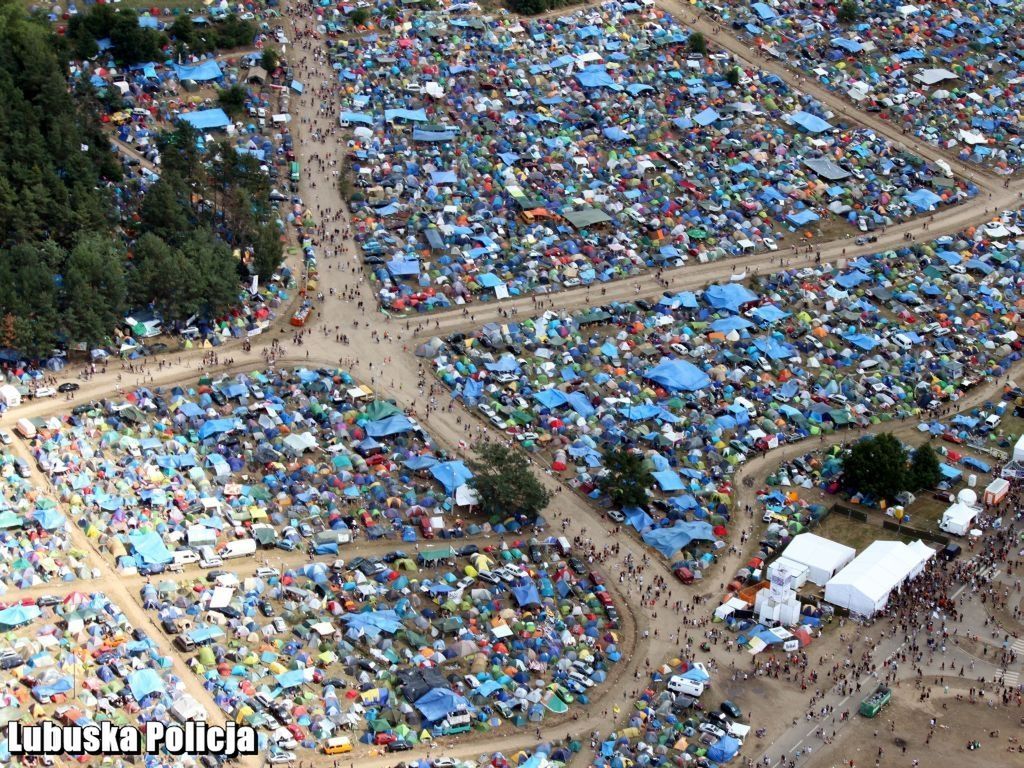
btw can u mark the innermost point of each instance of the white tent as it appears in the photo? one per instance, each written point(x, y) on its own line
point(863, 587)
point(822, 557)
point(798, 572)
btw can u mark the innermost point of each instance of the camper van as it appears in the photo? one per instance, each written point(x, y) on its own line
point(337, 745)
point(679, 684)
point(26, 429)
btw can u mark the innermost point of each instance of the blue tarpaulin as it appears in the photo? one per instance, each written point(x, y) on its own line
point(451, 474)
point(18, 615)
point(207, 119)
point(923, 199)
point(149, 547)
point(668, 541)
point(438, 703)
point(202, 72)
point(392, 425)
point(678, 375)
point(730, 296)
point(143, 682)
point(810, 123)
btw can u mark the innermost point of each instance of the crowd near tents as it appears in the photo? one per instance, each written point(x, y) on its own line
point(948, 73)
point(699, 381)
point(294, 459)
point(77, 660)
point(405, 647)
point(494, 156)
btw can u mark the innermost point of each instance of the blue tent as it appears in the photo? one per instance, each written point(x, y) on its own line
point(923, 199)
point(810, 123)
point(526, 594)
point(800, 218)
point(678, 375)
point(668, 480)
point(724, 750)
point(438, 703)
point(730, 296)
point(451, 474)
point(143, 682)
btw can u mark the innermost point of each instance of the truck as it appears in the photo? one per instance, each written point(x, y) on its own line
point(186, 708)
point(295, 169)
point(873, 704)
point(238, 548)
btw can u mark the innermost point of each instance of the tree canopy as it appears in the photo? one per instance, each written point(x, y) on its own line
point(924, 469)
point(506, 485)
point(71, 262)
point(627, 478)
point(877, 466)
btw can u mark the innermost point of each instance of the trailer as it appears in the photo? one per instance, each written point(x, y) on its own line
point(874, 703)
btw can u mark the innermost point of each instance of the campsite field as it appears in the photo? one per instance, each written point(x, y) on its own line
point(956, 723)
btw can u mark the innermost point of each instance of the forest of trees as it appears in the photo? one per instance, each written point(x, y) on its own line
point(69, 267)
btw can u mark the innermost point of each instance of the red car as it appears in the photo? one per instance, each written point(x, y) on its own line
point(952, 437)
point(384, 738)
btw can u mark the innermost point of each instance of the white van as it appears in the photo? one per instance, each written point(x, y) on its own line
point(746, 405)
point(185, 556)
point(902, 341)
point(679, 684)
point(26, 429)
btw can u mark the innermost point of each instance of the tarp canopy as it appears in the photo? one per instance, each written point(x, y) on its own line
point(670, 540)
point(678, 375)
point(207, 119)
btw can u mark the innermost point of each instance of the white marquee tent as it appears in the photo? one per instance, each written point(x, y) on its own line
point(822, 557)
point(863, 587)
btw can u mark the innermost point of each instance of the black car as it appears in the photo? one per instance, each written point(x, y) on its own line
point(218, 397)
point(536, 554)
point(468, 549)
point(227, 610)
point(170, 626)
point(68, 386)
point(212, 576)
point(577, 565)
point(44, 600)
point(335, 681)
point(266, 608)
point(152, 569)
point(391, 557)
point(79, 410)
point(398, 746)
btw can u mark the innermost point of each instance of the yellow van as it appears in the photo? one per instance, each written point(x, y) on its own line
point(338, 745)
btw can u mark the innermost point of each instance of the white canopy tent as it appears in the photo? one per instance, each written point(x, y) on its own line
point(863, 587)
point(822, 557)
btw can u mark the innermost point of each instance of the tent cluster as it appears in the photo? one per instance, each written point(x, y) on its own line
point(82, 663)
point(665, 728)
point(699, 381)
point(35, 545)
point(292, 459)
point(948, 73)
point(399, 648)
point(503, 155)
